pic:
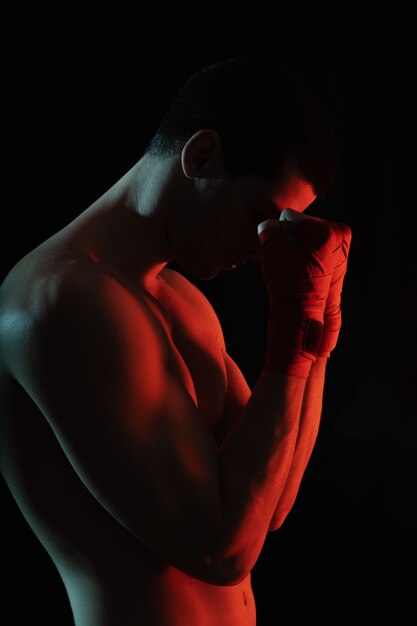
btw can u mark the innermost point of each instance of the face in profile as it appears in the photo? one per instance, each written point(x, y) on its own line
point(220, 230)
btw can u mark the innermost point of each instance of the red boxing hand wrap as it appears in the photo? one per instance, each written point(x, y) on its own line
point(295, 350)
point(297, 266)
point(332, 313)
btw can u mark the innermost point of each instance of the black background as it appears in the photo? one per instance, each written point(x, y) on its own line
point(88, 87)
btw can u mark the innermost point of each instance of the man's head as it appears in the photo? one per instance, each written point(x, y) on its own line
point(267, 117)
point(245, 138)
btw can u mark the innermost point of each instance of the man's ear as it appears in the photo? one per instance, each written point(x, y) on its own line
point(202, 156)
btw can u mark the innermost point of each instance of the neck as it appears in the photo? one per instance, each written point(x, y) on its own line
point(127, 228)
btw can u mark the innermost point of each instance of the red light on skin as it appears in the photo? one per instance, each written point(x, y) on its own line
point(296, 194)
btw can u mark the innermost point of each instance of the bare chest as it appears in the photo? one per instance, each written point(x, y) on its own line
point(194, 353)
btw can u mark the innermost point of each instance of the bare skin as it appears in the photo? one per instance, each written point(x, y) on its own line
point(134, 447)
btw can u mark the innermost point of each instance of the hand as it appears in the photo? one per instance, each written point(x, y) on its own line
point(298, 255)
point(332, 312)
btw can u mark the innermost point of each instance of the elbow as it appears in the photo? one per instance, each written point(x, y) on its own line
point(222, 571)
point(227, 572)
point(224, 563)
point(275, 525)
point(236, 559)
point(237, 576)
point(232, 565)
point(278, 519)
point(234, 570)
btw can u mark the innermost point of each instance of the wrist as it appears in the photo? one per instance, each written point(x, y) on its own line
point(293, 342)
point(331, 328)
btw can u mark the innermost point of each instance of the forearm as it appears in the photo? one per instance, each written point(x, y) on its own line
point(255, 461)
point(306, 439)
point(262, 462)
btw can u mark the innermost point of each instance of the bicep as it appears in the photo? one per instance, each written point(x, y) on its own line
point(237, 396)
point(128, 427)
point(237, 390)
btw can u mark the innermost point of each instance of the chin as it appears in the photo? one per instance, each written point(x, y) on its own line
point(205, 275)
point(205, 272)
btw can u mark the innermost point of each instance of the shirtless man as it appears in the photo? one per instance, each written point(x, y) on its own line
point(131, 442)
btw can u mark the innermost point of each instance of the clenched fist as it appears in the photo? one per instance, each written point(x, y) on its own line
point(303, 262)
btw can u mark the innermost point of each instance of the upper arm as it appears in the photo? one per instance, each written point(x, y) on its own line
point(238, 391)
point(236, 398)
point(95, 366)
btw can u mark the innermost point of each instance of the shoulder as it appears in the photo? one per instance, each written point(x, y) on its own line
point(196, 298)
point(70, 308)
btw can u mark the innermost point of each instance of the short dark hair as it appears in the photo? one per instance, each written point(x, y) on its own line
point(267, 116)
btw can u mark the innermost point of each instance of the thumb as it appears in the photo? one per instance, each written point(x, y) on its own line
point(289, 215)
point(273, 229)
point(268, 229)
point(266, 224)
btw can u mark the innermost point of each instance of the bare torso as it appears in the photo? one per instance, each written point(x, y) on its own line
point(111, 578)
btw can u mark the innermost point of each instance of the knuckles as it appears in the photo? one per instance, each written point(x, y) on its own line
point(308, 240)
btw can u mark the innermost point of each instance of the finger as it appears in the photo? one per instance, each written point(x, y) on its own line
point(289, 215)
point(268, 229)
point(272, 229)
point(267, 224)
point(292, 220)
